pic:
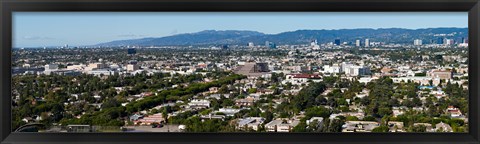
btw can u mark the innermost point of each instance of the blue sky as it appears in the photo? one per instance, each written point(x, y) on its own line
point(39, 29)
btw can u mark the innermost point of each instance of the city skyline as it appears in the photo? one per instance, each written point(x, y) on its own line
point(79, 29)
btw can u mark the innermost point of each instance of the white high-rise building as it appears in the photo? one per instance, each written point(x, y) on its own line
point(332, 69)
point(345, 66)
point(250, 44)
point(132, 67)
point(417, 42)
point(314, 43)
point(357, 70)
point(357, 43)
point(367, 43)
point(448, 42)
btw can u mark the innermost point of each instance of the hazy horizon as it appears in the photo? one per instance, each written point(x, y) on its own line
point(47, 29)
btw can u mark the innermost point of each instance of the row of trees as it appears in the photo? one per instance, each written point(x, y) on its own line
point(111, 116)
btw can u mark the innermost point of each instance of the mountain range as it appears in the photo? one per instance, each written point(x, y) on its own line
point(237, 37)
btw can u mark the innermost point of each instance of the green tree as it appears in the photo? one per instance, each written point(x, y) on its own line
point(381, 128)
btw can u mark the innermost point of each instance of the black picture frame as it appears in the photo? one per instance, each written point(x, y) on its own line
point(9, 6)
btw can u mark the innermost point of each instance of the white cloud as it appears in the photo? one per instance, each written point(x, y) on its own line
point(37, 38)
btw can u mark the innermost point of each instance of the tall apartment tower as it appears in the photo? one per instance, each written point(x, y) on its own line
point(448, 41)
point(417, 42)
point(357, 43)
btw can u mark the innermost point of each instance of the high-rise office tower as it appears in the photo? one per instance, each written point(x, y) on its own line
point(250, 44)
point(270, 44)
point(449, 41)
point(337, 41)
point(131, 51)
point(357, 43)
point(313, 43)
point(417, 42)
point(440, 41)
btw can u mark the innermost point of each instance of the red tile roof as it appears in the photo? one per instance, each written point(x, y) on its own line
point(310, 76)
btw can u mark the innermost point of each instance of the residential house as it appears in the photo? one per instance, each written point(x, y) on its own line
point(281, 125)
point(359, 126)
point(250, 122)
